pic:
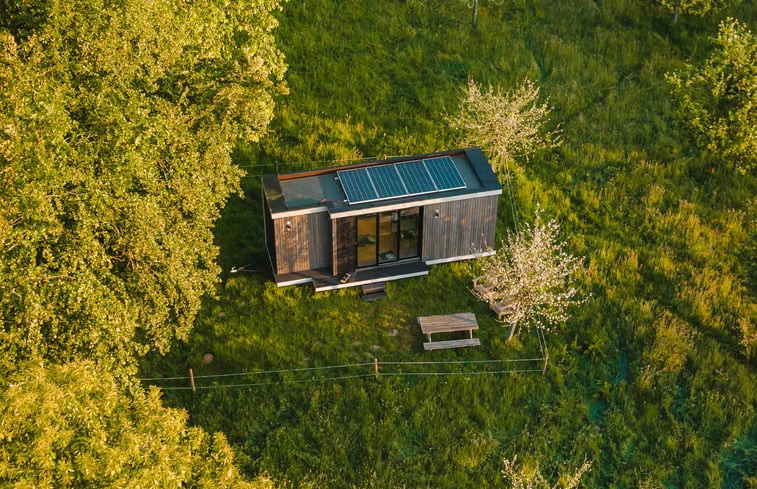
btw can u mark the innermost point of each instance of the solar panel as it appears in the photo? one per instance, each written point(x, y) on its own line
point(444, 173)
point(416, 177)
point(387, 181)
point(400, 179)
point(357, 185)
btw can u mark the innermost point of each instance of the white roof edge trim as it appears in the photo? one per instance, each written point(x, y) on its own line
point(417, 203)
point(299, 212)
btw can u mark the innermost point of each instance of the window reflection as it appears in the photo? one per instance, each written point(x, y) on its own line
point(388, 226)
point(409, 233)
point(388, 237)
point(366, 240)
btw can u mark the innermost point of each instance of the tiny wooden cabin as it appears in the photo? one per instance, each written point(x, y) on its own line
point(378, 221)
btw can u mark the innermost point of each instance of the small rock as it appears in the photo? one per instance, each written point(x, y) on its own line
point(375, 347)
point(221, 314)
point(394, 332)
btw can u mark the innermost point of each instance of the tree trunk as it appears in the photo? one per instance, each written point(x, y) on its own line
point(475, 13)
point(675, 12)
point(512, 331)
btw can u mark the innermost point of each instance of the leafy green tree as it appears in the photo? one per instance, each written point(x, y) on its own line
point(75, 426)
point(117, 120)
point(694, 7)
point(718, 100)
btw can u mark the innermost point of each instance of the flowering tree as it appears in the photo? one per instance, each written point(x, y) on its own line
point(508, 125)
point(531, 478)
point(532, 276)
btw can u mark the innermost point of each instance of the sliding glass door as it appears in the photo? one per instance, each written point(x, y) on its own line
point(409, 233)
point(387, 237)
point(366, 240)
point(388, 230)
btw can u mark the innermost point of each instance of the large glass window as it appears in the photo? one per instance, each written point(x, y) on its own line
point(409, 232)
point(388, 227)
point(387, 237)
point(366, 240)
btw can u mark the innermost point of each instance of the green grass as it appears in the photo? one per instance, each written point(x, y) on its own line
point(651, 379)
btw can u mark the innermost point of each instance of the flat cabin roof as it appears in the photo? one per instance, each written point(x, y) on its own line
point(321, 190)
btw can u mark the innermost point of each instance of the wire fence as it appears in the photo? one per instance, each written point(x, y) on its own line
point(375, 369)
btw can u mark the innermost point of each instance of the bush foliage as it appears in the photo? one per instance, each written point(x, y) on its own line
point(117, 121)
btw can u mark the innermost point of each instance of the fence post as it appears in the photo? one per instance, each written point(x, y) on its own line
point(546, 359)
point(375, 367)
point(192, 380)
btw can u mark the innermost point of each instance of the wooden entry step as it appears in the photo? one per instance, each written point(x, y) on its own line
point(374, 291)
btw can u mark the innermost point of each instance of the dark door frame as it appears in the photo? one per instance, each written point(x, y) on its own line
point(418, 244)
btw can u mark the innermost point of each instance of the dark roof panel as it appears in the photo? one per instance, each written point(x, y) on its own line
point(464, 173)
point(483, 169)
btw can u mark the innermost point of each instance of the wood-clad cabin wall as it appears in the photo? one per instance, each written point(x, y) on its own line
point(270, 234)
point(462, 228)
point(306, 245)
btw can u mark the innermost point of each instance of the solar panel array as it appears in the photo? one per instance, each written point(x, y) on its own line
point(400, 179)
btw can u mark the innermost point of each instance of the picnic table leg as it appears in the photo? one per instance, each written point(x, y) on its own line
point(471, 333)
point(429, 337)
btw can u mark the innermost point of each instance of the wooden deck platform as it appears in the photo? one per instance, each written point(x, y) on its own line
point(322, 279)
point(372, 275)
point(449, 323)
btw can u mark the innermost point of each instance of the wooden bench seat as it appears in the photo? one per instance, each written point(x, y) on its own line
point(499, 308)
point(438, 345)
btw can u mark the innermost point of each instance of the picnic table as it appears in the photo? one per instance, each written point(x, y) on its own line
point(449, 323)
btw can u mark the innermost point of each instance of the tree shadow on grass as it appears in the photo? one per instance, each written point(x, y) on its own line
point(239, 232)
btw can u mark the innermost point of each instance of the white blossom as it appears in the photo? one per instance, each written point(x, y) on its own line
point(508, 125)
point(532, 275)
point(531, 478)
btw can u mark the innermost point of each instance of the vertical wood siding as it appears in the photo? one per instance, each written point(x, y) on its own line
point(305, 246)
point(270, 233)
point(463, 227)
point(320, 240)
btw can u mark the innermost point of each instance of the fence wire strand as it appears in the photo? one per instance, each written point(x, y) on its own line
point(377, 373)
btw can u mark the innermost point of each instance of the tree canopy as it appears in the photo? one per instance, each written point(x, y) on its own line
point(694, 7)
point(75, 426)
point(117, 120)
point(508, 124)
point(718, 100)
point(530, 477)
point(532, 275)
